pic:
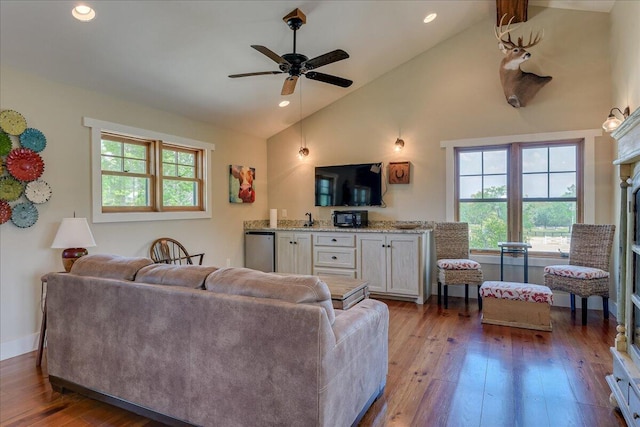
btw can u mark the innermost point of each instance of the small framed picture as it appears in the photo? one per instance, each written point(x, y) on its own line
point(241, 188)
point(399, 172)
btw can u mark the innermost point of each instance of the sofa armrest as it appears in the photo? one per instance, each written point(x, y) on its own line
point(366, 314)
point(355, 369)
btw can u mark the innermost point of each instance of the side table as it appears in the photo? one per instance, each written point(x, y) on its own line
point(43, 325)
point(515, 248)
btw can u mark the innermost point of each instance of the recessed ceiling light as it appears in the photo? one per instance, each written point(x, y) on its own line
point(83, 13)
point(283, 103)
point(430, 17)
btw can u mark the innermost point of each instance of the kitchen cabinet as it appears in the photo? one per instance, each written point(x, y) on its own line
point(393, 264)
point(293, 252)
point(334, 254)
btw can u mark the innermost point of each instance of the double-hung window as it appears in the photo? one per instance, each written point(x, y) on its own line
point(142, 175)
point(127, 178)
point(520, 192)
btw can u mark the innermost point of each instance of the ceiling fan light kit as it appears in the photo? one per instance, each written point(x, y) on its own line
point(296, 64)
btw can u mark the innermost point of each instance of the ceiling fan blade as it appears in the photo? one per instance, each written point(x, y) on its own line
point(327, 58)
point(327, 78)
point(271, 54)
point(259, 73)
point(289, 85)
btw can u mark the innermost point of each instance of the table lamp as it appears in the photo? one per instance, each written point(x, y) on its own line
point(74, 235)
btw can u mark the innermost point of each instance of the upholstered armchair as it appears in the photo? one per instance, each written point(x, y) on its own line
point(454, 265)
point(588, 271)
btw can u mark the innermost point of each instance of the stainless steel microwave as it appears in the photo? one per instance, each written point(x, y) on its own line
point(350, 218)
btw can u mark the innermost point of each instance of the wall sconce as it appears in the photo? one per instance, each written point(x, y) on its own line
point(399, 144)
point(612, 121)
point(303, 152)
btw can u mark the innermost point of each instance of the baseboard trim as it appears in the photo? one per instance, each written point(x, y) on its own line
point(19, 347)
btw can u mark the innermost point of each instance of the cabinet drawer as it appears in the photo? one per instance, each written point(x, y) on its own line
point(343, 240)
point(334, 257)
point(622, 379)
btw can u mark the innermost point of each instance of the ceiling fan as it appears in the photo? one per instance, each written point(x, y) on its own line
point(297, 64)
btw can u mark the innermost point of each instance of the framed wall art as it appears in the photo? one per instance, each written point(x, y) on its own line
point(241, 184)
point(399, 172)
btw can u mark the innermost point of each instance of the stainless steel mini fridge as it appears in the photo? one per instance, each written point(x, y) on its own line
point(259, 250)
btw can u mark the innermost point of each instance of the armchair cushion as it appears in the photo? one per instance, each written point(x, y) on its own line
point(458, 264)
point(576, 272)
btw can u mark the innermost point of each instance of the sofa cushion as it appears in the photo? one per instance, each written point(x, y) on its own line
point(297, 289)
point(191, 276)
point(109, 266)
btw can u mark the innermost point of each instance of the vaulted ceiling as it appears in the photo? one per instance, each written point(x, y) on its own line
point(176, 55)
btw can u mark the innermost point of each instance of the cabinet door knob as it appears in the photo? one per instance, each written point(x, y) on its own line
point(295, 243)
point(334, 257)
point(333, 240)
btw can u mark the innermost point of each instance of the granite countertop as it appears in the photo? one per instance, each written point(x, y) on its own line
point(409, 227)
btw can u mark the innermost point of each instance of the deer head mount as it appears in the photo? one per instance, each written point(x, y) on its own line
point(519, 86)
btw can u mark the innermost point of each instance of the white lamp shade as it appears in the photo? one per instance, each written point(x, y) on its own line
point(73, 233)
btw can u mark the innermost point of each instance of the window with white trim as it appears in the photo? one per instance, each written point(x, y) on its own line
point(141, 175)
point(520, 192)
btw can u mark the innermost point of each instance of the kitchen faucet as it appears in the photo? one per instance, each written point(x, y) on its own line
point(310, 222)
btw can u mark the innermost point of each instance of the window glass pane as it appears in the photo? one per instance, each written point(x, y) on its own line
point(179, 193)
point(562, 184)
point(547, 225)
point(636, 327)
point(495, 186)
point(470, 187)
point(534, 185)
point(470, 163)
point(135, 151)
point(111, 147)
point(186, 158)
point(186, 171)
point(168, 156)
point(113, 164)
point(487, 223)
point(495, 162)
point(125, 191)
point(534, 159)
point(169, 169)
point(135, 166)
point(562, 159)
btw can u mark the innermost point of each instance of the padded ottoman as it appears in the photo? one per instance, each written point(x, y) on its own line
point(522, 305)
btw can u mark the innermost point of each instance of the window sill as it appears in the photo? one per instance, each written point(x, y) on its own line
point(517, 261)
point(148, 216)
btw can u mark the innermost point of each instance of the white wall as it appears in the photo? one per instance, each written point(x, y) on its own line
point(453, 92)
point(57, 110)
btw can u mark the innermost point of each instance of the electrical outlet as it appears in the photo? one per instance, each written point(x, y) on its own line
point(284, 213)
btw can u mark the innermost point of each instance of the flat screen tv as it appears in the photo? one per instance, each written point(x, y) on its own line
point(349, 185)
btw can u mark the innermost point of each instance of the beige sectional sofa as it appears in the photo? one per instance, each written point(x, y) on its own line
point(213, 347)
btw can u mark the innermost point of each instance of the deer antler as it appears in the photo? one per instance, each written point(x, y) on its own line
point(499, 34)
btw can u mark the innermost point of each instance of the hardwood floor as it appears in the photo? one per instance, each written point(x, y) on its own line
point(445, 369)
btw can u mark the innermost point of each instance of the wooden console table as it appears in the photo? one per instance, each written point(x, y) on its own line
point(345, 291)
